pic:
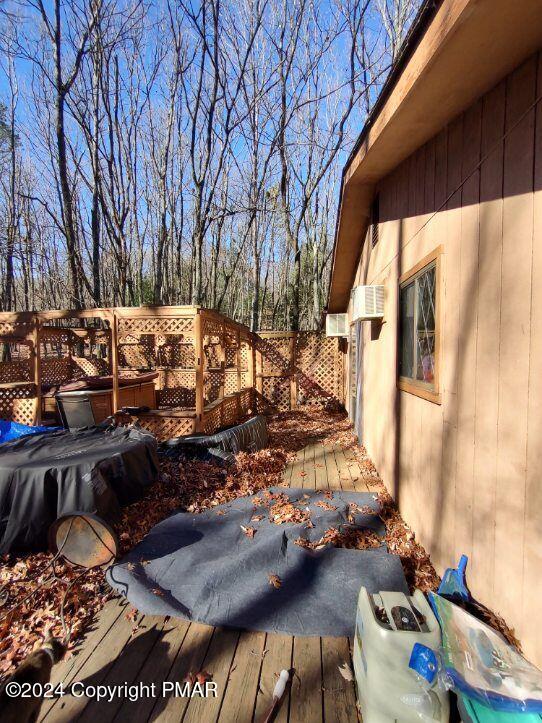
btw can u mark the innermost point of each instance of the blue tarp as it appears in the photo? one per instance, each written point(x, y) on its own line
point(14, 430)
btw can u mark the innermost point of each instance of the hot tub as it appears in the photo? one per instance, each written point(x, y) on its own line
point(92, 398)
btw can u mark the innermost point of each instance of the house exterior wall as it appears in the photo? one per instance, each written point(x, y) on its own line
point(467, 473)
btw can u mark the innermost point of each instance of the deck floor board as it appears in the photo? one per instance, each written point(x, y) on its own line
point(245, 665)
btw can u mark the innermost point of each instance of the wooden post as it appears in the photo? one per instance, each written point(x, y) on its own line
point(114, 348)
point(293, 375)
point(259, 371)
point(36, 359)
point(238, 361)
point(222, 361)
point(198, 341)
point(251, 365)
point(251, 369)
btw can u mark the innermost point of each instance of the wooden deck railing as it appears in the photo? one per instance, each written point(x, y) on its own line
point(211, 370)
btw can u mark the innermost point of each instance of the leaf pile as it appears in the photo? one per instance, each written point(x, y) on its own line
point(283, 510)
point(351, 538)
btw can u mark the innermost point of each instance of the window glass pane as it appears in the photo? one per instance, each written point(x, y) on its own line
point(406, 348)
point(425, 327)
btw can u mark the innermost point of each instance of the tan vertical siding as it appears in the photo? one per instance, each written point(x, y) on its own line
point(488, 342)
point(468, 473)
point(532, 555)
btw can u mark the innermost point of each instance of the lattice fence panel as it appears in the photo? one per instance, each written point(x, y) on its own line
point(56, 336)
point(230, 337)
point(212, 420)
point(164, 427)
point(318, 370)
point(245, 401)
point(89, 366)
point(246, 379)
point(16, 403)
point(230, 410)
point(231, 356)
point(244, 355)
point(276, 391)
point(138, 356)
point(56, 370)
point(176, 353)
point(181, 397)
point(155, 325)
point(212, 383)
point(15, 371)
point(25, 411)
point(173, 378)
point(319, 365)
point(212, 354)
point(230, 382)
point(276, 354)
point(212, 327)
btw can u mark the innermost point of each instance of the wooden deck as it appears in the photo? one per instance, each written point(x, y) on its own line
point(244, 664)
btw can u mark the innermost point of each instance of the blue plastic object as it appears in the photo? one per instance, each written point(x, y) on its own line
point(13, 430)
point(424, 661)
point(454, 581)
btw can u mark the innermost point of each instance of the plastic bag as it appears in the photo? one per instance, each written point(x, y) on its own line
point(477, 661)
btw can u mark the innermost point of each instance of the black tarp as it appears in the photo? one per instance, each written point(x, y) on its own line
point(250, 436)
point(203, 567)
point(88, 470)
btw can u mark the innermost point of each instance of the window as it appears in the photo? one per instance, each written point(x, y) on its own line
point(375, 219)
point(418, 329)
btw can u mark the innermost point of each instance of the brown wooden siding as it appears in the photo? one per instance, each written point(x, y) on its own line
point(468, 473)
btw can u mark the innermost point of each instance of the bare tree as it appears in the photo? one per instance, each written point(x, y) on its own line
point(185, 151)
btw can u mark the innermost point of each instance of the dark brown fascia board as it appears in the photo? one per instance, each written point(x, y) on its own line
point(469, 46)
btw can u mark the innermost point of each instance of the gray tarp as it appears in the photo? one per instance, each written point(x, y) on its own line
point(203, 567)
point(43, 477)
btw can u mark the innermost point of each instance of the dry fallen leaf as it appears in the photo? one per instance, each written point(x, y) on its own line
point(346, 671)
point(249, 531)
point(275, 581)
point(325, 505)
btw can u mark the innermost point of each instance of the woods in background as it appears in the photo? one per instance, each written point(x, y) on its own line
point(177, 151)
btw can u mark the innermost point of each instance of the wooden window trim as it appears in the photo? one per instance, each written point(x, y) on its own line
point(412, 386)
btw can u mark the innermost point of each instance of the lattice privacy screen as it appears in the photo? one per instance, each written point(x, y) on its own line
point(301, 368)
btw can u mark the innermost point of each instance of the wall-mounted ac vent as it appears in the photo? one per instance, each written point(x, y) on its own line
point(336, 324)
point(367, 302)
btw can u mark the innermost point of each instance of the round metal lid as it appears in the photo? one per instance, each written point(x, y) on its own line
point(83, 539)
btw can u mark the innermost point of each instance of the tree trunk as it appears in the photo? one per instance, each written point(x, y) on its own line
point(67, 200)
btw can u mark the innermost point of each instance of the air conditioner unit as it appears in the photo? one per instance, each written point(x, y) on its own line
point(367, 302)
point(336, 324)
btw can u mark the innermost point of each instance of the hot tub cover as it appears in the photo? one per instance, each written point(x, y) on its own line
point(89, 470)
point(204, 567)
